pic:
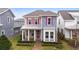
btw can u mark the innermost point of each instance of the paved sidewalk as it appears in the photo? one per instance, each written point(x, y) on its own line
point(37, 46)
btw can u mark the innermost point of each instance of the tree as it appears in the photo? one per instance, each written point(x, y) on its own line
point(5, 44)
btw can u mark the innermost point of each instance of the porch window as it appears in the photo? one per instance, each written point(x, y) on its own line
point(32, 32)
point(46, 34)
point(51, 34)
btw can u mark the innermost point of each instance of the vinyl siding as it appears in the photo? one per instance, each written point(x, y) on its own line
point(53, 22)
point(7, 26)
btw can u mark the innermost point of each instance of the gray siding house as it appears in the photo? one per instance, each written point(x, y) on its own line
point(6, 22)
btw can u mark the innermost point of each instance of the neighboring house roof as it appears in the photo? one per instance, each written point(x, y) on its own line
point(3, 10)
point(41, 13)
point(18, 22)
point(70, 10)
point(66, 15)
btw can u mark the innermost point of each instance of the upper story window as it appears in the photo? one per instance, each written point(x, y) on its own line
point(29, 21)
point(36, 20)
point(9, 18)
point(49, 20)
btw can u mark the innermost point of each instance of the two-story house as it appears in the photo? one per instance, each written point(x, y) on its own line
point(6, 22)
point(68, 23)
point(40, 25)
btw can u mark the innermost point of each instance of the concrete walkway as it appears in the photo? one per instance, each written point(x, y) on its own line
point(37, 46)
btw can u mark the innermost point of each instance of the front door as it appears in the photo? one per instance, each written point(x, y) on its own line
point(38, 33)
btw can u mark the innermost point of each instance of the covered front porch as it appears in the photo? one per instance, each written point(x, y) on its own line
point(31, 34)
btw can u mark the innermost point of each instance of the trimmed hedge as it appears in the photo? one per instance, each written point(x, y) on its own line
point(57, 45)
point(5, 44)
point(25, 43)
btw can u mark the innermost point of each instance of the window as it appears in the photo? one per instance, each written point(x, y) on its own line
point(2, 32)
point(51, 34)
point(36, 20)
point(46, 34)
point(32, 32)
point(49, 20)
point(29, 21)
point(59, 21)
point(77, 22)
point(9, 19)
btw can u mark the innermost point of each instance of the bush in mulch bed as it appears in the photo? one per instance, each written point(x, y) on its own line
point(25, 43)
point(57, 45)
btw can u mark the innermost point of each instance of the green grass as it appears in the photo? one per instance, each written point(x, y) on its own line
point(45, 46)
point(14, 41)
point(63, 46)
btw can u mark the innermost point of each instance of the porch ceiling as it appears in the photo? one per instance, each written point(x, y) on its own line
point(72, 27)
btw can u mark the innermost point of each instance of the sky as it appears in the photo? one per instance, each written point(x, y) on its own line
point(19, 12)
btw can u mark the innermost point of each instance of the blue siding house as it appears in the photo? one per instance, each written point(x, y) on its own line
point(6, 22)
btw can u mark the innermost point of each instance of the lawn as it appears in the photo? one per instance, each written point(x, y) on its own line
point(14, 40)
point(63, 46)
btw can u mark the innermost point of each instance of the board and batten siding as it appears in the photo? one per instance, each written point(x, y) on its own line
point(53, 22)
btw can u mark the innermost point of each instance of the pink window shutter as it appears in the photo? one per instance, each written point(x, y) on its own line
point(27, 20)
point(32, 20)
point(39, 20)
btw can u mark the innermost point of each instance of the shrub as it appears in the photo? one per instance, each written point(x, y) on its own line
point(5, 44)
point(60, 36)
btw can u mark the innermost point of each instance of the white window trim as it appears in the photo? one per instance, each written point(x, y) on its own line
point(50, 21)
point(9, 18)
point(36, 19)
point(30, 20)
point(49, 35)
point(2, 31)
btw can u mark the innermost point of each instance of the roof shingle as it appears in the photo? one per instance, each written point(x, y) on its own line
point(66, 15)
point(41, 13)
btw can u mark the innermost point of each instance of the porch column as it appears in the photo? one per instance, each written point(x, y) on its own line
point(34, 35)
point(71, 34)
point(41, 35)
point(22, 35)
point(28, 34)
point(25, 35)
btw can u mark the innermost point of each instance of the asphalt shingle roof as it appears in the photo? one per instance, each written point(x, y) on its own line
point(41, 13)
point(66, 15)
point(3, 9)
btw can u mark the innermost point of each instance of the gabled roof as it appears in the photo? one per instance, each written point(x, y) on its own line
point(66, 15)
point(3, 10)
point(41, 13)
